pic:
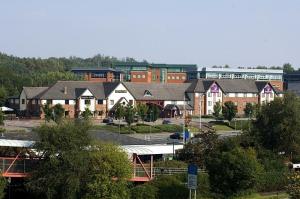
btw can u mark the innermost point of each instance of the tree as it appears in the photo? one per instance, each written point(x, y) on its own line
point(229, 110)
point(287, 68)
point(249, 110)
point(119, 114)
point(232, 171)
point(3, 96)
point(153, 113)
point(277, 125)
point(109, 170)
point(72, 166)
point(86, 114)
point(217, 109)
point(1, 118)
point(3, 184)
point(293, 185)
point(47, 112)
point(143, 191)
point(196, 152)
point(129, 114)
point(142, 110)
point(58, 113)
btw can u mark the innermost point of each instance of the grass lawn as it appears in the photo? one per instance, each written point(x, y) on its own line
point(222, 127)
point(265, 196)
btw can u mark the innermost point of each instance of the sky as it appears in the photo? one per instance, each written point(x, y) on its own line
point(203, 32)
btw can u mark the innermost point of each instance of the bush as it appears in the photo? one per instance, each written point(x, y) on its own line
point(171, 164)
point(169, 128)
point(170, 187)
point(145, 129)
point(233, 172)
point(144, 191)
point(1, 118)
point(293, 185)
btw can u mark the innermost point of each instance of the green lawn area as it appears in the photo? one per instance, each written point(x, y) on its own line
point(265, 196)
point(222, 127)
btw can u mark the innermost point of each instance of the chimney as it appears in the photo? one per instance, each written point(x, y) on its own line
point(65, 90)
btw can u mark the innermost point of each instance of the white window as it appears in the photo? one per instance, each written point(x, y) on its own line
point(209, 112)
point(169, 77)
point(173, 77)
point(143, 76)
point(138, 76)
point(209, 94)
point(219, 94)
point(134, 76)
point(112, 102)
point(209, 103)
point(183, 77)
point(235, 103)
point(177, 77)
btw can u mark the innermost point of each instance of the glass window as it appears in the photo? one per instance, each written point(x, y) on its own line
point(209, 103)
point(209, 94)
point(133, 76)
point(183, 77)
point(66, 101)
point(138, 76)
point(99, 75)
point(177, 77)
point(23, 101)
point(100, 101)
point(49, 101)
point(169, 77)
point(238, 76)
point(32, 101)
point(111, 102)
point(16, 101)
point(130, 102)
point(143, 76)
point(87, 102)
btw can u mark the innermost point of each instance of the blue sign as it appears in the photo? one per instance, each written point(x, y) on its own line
point(192, 169)
point(186, 135)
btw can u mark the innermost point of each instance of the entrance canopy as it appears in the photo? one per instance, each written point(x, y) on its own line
point(4, 109)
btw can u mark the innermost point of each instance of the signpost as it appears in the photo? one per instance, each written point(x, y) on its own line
point(192, 179)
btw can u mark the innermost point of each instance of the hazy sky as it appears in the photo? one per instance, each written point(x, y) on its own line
point(206, 33)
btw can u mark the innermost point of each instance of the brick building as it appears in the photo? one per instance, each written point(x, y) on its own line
point(99, 74)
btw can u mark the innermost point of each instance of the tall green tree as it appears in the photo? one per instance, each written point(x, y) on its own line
point(119, 114)
point(1, 118)
point(129, 114)
point(249, 110)
point(3, 96)
point(72, 166)
point(232, 171)
point(86, 114)
point(287, 68)
point(229, 110)
point(153, 112)
point(58, 113)
point(142, 110)
point(47, 112)
point(217, 109)
point(277, 125)
point(3, 186)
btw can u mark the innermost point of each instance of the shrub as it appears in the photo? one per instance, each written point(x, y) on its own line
point(170, 187)
point(145, 129)
point(144, 191)
point(169, 128)
point(293, 185)
point(1, 118)
point(171, 164)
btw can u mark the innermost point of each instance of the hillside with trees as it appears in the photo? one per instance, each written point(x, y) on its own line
point(16, 72)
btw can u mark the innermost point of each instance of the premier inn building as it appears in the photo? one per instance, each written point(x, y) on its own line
point(173, 99)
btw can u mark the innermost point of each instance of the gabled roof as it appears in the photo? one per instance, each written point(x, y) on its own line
point(34, 92)
point(74, 89)
point(201, 85)
point(159, 91)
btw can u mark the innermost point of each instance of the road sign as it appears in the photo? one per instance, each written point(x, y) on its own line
point(192, 176)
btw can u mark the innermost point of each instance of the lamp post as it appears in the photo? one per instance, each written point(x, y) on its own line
point(200, 110)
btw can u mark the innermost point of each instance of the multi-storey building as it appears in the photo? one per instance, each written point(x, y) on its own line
point(173, 99)
point(159, 73)
point(274, 76)
point(99, 74)
point(292, 82)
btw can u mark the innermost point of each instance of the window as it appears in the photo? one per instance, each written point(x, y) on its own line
point(32, 101)
point(209, 94)
point(98, 75)
point(219, 94)
point(138, 76)
point(238, 76)
point(16, 101)
point(49, 101)
point(66, 101)
point(209, 103)
point(130, 102)
point(209, 112)
point(66, 113)
point(87, 102)
point(263, 95)
point(173, 77)
point(23, 101)
point(100, 101)
point(133, 76)
point(112, 102)
point(235, 103)
point(183, 77)
point(177, 77)
point(143, 76)
point(169, 77)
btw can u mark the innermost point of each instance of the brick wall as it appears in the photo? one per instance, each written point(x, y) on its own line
point(241, 102)
point(176, 77)
point(197, 105)
point(140, 76)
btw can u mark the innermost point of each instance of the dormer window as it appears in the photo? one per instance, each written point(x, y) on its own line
point(147, 93)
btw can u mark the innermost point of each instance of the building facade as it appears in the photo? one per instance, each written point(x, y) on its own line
point(274, 76)
point(99, 74)
point(173, 99)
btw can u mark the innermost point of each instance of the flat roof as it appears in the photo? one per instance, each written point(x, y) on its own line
point(95, 69)
point(151, 149)
point(16, 143)
point(242, 70)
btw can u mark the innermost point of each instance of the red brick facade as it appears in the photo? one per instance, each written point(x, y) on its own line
point(176, 77)
point(241, 102)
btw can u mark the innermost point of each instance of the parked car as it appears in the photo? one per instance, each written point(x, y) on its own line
point(108, 120)
point(177, 136)
point(166, 122)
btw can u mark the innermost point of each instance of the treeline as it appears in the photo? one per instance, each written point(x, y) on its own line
point(16, 72)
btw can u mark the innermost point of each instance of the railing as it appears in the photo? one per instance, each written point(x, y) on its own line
point(16, 167)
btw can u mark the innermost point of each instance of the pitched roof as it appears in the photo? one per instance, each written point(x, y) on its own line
point(159, 91)
point(200, 86)
point(34, 92)
point(75, 88)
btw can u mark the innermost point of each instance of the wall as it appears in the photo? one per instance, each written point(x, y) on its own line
point(82, 105)
point(115, 96)
point(144, 76)
point(241, 102)
point(23, 96)
point(212, 97)
point(176, 77)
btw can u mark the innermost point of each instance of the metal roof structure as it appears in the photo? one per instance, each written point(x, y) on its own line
point(16, 143)
point(151, 149)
